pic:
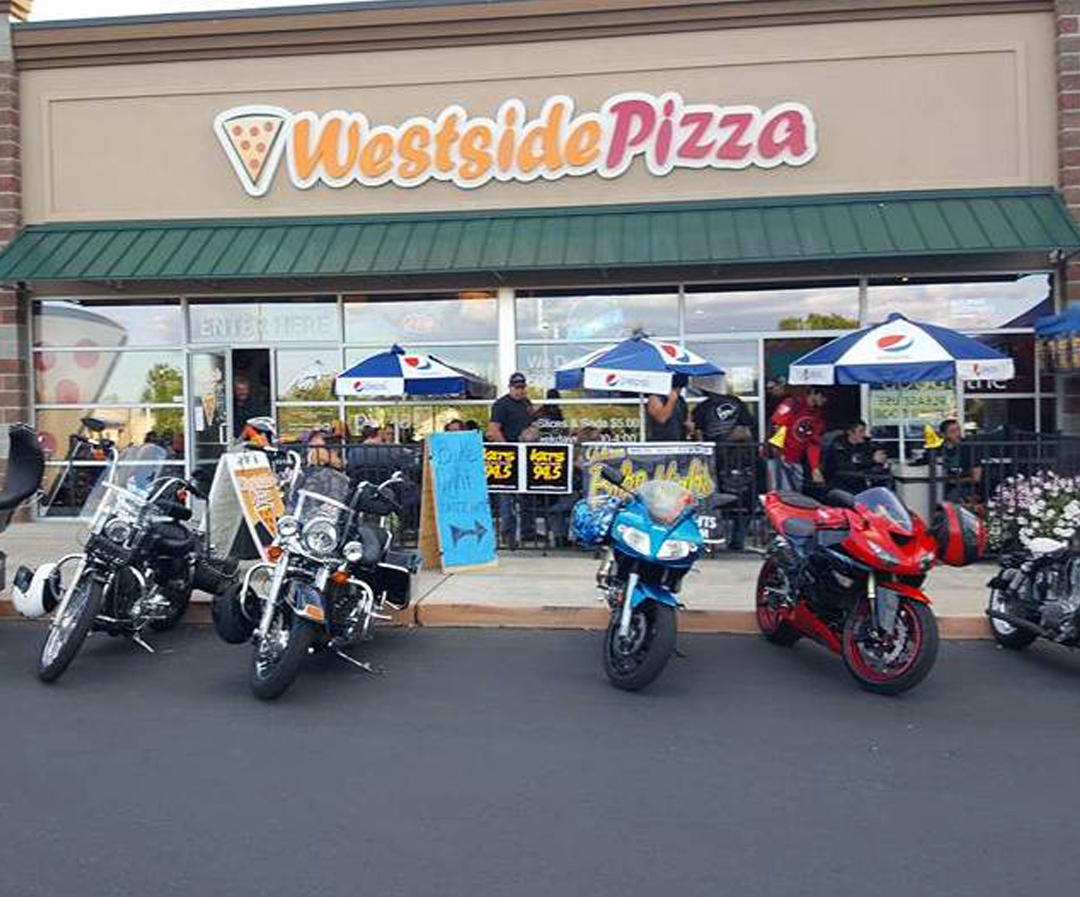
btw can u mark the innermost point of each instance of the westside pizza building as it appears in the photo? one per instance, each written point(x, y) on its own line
point(269, 196)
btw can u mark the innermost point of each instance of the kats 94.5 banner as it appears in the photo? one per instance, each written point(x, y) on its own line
point(533, 467)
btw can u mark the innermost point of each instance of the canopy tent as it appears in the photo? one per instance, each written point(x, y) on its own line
point(637, 365)
point(1064, 324)
point(899, 352)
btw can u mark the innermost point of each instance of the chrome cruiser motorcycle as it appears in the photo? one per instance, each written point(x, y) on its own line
point(1036, 594)
point(137, 569)
point(332, 574)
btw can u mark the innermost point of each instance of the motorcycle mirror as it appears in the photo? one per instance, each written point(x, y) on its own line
point(612, 475)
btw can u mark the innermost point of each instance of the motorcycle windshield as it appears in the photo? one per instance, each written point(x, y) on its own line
point(883, 504)
point(665, 500)
point(124, 485)
point(322, 493)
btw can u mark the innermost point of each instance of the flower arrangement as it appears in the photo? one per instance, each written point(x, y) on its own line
point(1026, 507)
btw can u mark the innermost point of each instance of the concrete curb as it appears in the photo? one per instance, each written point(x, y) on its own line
point(488, 616)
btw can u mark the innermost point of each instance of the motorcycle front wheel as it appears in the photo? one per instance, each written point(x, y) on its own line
point(69, 629)
point(276, 658)
point(890, 663)
point(634, 662)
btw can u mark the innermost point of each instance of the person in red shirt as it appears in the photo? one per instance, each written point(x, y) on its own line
point(802, 416)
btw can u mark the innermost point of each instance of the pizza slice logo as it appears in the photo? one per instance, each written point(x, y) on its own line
point(253, 138)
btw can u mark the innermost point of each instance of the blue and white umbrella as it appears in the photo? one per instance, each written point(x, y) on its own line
point(402, 373)
point(898, 352)
point(638, 364)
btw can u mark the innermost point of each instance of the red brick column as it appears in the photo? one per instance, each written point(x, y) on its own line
point(1067, 15)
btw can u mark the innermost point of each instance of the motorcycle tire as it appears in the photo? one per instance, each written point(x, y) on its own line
point(230, 622)
point(79, 615)
point(1005, 634)
point(920, 622)
point(178, 605)
point(773, 627)
point(656, 644)
point(274, 680)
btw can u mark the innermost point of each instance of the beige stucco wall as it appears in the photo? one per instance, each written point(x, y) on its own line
point(920, 103)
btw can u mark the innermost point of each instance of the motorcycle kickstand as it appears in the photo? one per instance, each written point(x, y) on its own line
point(138, 640)
point(362, 664)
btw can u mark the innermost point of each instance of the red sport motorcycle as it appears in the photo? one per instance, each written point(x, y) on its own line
point(849, 575)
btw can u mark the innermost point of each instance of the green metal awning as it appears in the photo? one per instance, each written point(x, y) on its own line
point(821, 229)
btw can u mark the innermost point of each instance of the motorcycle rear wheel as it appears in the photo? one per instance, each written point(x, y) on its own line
point(276, 660)
point(1005, 634)
point(637, 662)
point(69, 630)
point(885, 668)
point(772, 625)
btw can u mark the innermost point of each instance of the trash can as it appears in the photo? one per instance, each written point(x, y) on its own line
point(915, 488)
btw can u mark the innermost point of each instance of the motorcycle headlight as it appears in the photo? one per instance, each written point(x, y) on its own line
point(288, 526)
point(354, 552)
point(674, 549)
point(320, 537)
point(636, 539)
point(117, 530)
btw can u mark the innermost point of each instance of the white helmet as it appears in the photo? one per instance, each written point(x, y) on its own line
point(36, 594)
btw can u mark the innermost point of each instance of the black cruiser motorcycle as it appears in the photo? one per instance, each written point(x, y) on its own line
point(138, 567)
point(332, 573)
point(1036, 594)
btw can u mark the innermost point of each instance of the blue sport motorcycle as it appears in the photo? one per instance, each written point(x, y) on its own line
point(652, 540)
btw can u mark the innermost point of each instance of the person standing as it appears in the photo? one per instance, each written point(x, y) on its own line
point(246, 404)
point(799, 420)
point(667, 418)
point(511, 416)
point(963, 472)
point(724, 420)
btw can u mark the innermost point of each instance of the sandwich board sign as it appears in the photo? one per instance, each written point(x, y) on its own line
point(456, 529)
point(245, 504)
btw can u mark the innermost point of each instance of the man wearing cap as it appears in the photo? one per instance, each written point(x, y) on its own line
point(511, 415)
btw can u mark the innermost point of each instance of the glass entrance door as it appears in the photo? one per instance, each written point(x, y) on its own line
point(210, 413)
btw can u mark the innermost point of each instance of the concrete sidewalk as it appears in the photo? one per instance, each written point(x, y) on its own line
point(529, 590)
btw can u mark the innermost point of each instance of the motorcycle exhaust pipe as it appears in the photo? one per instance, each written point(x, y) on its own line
point(1018, 622)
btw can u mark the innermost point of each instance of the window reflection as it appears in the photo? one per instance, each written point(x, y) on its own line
point(409, 320)
point(738, 360)
point(76, 322)
point(719, 310)
point(59, 428)
point(307, 374)
point(596, 314)
point(480, 360)
point(91, 376)
point(978, 305)
point(278, 321)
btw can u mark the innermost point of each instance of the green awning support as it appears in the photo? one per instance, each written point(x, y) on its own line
point(948, 223)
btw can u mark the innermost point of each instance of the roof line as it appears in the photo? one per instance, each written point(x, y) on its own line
point(815, 200)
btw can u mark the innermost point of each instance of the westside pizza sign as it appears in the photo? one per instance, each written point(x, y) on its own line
point(662, 132)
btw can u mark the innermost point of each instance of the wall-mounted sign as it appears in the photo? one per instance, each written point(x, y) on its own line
point(340, 148)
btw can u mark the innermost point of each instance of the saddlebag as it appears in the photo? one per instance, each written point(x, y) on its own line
point(393, 577)
point(214, 575)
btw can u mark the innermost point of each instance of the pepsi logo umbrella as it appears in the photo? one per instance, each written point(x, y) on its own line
point(402, 373)
point(638, 364)
point(897, 352)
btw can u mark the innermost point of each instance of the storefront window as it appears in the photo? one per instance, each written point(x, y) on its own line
point(91, 376)
point(721, 310)
point(75, 322)
point(1020, 347)
point(583, 315)
point(1007, 418)
point(307, 374)
point(411, 320)
point(296, 421)
point(278, 321)
point(123, 426)
point(738, 360)
point(977, 305)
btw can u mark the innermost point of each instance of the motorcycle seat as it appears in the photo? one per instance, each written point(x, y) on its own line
point(375, 541)
point(172, 539)
point(26, 465)
point(798, 500)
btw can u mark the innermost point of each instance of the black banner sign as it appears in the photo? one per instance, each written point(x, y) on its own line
point(548, 467)
point(502, 460)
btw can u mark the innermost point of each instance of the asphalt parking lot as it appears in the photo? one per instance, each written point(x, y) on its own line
point(501, 763)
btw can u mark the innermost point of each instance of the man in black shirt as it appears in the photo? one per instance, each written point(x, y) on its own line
point(667, 417)
point(511, 415)
point(724, 420)
point(853, 463)
point(963, 473)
